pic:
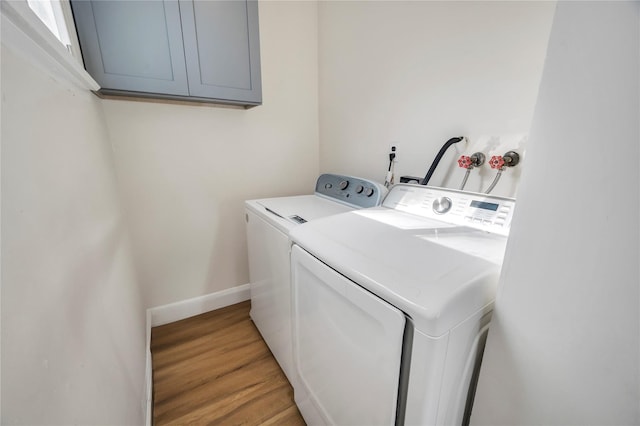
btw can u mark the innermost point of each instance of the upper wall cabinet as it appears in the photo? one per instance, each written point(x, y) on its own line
point(188, 50)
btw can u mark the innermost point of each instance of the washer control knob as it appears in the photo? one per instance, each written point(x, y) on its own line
point(442, 205)
point(359, 189)
point(343, 185)
point(328, 186)
point(369, 192)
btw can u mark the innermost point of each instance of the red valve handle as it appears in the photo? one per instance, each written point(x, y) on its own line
point(496, 162)
point(465, 162)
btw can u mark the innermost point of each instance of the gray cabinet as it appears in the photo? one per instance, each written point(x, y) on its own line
point(177, 49)
point(221, 48)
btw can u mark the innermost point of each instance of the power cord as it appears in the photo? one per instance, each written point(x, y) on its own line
point(389, 179)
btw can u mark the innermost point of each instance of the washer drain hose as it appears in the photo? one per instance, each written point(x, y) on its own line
point(436, 160)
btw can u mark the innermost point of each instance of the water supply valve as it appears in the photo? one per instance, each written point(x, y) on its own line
point(496, 162)
point(469, 162)
point(509, 159)
point(465, 162)
point(501, 162)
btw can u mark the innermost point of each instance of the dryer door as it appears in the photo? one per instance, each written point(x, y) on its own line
point(347, 347)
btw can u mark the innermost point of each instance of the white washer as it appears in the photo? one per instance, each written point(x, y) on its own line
point(392, 305)
point(269, 222)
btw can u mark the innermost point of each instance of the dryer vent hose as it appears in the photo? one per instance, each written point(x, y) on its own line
point(436, 160)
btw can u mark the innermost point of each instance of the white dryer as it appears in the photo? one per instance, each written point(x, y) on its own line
point(392, 305)
point(269, 222)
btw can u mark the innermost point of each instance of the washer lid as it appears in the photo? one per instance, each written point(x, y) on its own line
point(287, 212)
point(437, 273)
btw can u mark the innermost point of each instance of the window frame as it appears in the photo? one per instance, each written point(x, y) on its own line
point(25, 34)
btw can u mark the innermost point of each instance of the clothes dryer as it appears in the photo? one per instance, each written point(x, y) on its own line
point(269, 222)
point(391, 306)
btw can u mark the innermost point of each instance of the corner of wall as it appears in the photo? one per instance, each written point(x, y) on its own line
point(177, 311)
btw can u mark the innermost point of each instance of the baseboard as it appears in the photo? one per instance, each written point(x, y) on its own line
point(177, 311)
point(148, 408)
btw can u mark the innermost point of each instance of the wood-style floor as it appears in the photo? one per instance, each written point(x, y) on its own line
point(216, 369)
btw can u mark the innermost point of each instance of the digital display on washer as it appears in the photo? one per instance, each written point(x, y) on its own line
point(484, 205)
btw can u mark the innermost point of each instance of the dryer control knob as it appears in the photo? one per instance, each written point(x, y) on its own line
point(343, 185)
point(369, 192)
point(442, 205)
point(359, 189)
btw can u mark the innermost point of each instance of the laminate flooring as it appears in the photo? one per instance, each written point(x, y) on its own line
point(215, 368)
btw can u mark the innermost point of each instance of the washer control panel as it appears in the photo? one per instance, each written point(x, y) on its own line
point(483, 211)
point(350, 190)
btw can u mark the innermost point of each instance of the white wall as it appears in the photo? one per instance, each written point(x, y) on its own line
point(73, 324)
point(564, 344)
point(186, 170)
point(416, 73)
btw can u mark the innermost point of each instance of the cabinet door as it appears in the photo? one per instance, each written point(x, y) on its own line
point(133, 45)
point(222, 49)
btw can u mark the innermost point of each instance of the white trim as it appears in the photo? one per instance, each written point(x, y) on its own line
point(67, 15)
point(148, 402)
point(165, 314)
point(177, 311)
point(26, 35)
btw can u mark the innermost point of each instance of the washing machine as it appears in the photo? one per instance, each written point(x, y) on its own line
point(391, 307)
point(269, 222)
